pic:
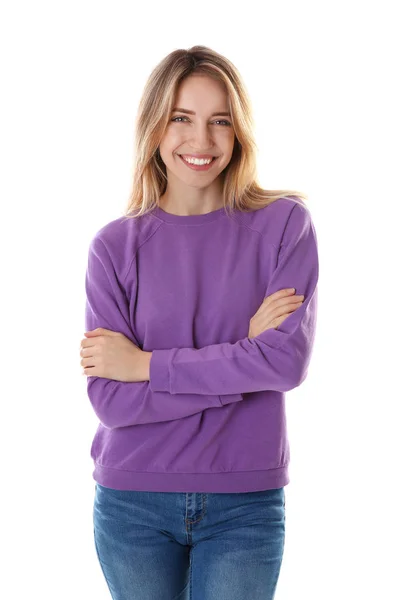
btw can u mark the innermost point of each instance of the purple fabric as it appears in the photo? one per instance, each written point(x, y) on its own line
point(212, 417)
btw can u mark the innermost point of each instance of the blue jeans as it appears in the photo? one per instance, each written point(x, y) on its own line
point(189, 546)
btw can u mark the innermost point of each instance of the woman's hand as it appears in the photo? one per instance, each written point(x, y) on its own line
point(273, 311)
point(111, 355)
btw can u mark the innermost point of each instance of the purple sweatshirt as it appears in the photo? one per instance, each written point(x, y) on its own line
point(212, 417)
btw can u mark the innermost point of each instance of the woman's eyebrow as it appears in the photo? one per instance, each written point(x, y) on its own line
point(191, 112)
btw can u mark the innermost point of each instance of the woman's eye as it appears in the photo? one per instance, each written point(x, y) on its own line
point(228, 124)
point(175, 118)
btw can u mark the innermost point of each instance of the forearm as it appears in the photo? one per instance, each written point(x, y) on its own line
point(146, 356)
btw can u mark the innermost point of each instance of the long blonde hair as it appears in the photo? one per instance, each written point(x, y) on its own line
point(149, 180)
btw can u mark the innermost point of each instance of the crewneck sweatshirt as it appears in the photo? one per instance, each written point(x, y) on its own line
point(212, 417)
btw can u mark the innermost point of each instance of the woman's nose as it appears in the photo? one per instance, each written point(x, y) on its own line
point(202, 138)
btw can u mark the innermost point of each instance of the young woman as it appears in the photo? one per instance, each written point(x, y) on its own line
point(200, 316)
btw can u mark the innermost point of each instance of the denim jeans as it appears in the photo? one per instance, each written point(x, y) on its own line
point(189, 546)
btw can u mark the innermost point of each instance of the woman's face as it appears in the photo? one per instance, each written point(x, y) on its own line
point(204, 132)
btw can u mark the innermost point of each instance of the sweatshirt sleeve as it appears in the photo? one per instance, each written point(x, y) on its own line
point(118, 403)
point(277, 359)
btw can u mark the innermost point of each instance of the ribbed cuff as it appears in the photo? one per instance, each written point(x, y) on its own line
point(159, 373)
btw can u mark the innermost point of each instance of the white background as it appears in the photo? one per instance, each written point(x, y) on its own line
point(321, 77)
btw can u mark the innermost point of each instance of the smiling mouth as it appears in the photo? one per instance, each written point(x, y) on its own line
point(181, 156)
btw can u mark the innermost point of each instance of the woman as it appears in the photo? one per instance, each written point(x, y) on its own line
point(194, 334)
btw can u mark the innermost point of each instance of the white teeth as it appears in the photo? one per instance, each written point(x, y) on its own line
point(197, 161)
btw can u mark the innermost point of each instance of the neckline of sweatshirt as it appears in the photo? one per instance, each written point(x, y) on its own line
point(167, 217)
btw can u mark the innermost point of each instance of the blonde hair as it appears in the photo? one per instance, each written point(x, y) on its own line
point(149, 181)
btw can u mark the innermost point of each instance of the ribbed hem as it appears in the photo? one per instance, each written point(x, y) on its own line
point(229, 482)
